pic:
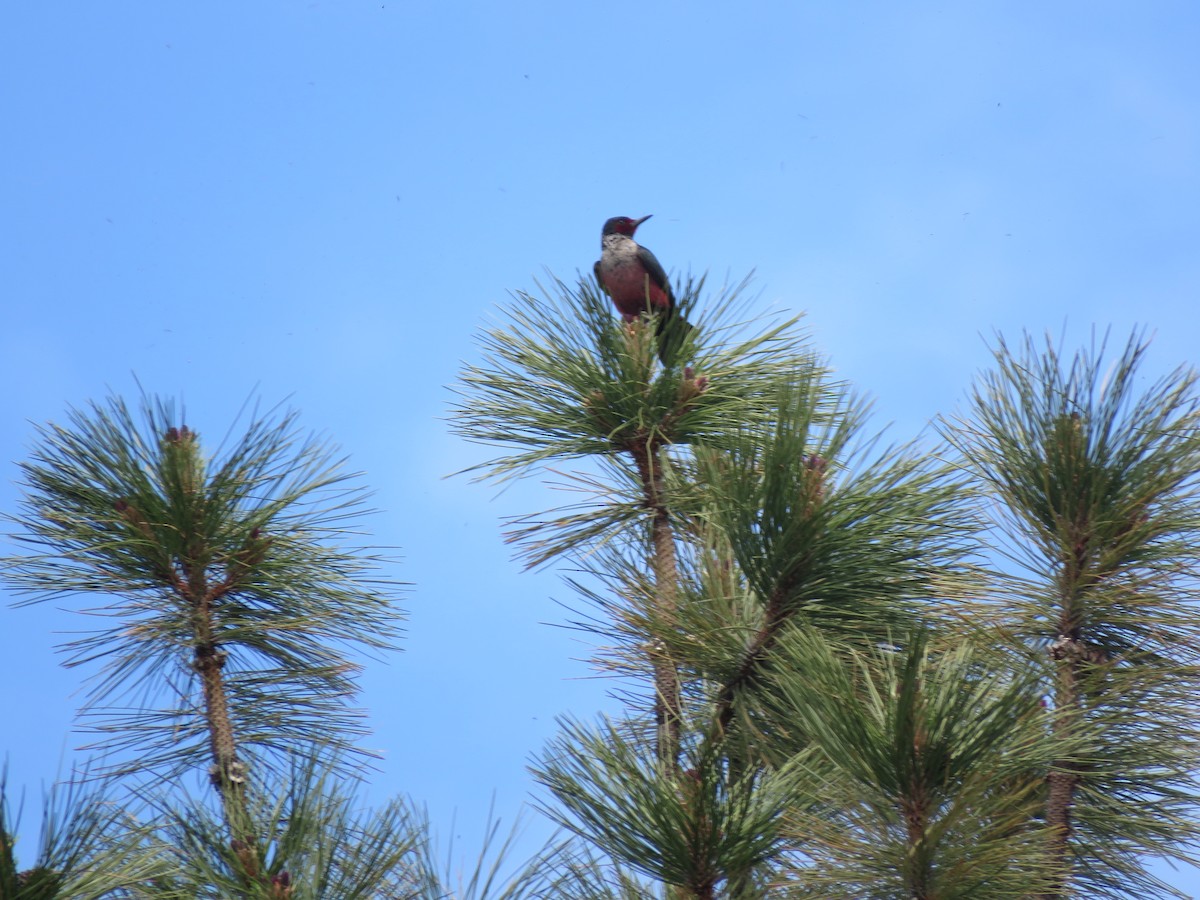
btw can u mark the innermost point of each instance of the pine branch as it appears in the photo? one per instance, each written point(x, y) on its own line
point(225, 578)
point(668, 706)
point(1097, 482)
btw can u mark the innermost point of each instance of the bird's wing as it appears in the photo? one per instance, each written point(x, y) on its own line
point(655, 270)
point(599, 280)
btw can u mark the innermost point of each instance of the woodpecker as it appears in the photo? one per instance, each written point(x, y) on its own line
point(634, 278)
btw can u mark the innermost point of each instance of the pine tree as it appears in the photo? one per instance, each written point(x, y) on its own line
point(1095, 483)
point(831, 686)
point(231, 593)
point(848, 669)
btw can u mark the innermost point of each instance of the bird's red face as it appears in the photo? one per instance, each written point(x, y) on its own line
point(623, 225)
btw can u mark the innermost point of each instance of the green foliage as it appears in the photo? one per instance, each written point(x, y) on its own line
point(315, 843)
point(1095, 481)
point(693, 827)
point(927, 762)
point(557, 870)
point(918, 770)
point(89, 847)
point(819, 526)
point(232, 580)
point(564, 380)
point(242, 554)
point(824, 698)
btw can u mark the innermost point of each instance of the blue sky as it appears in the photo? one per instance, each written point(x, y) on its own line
point(323, 202)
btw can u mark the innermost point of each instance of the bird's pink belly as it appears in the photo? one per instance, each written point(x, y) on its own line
point(630, 287)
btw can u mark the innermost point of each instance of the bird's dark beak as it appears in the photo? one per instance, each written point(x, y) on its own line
point(637, 222)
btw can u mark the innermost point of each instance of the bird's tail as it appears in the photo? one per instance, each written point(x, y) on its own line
point(672, 331)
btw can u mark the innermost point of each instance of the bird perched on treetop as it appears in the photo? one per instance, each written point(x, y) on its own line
point(634, 278)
